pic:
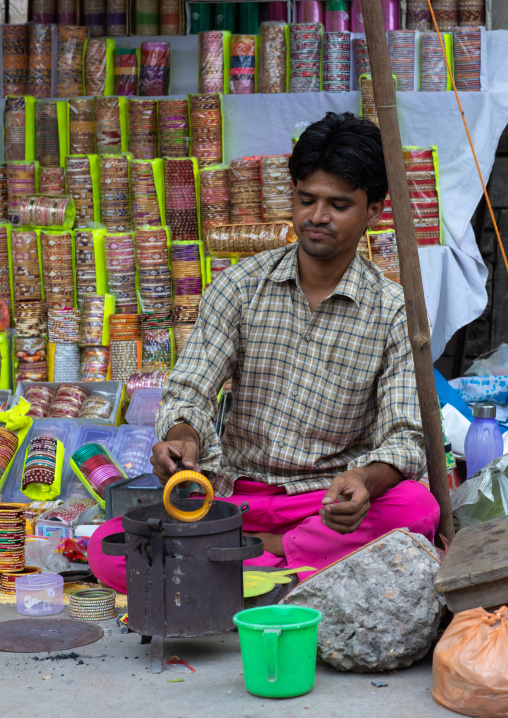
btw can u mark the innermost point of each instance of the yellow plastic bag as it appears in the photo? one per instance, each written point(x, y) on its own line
point(470, 664)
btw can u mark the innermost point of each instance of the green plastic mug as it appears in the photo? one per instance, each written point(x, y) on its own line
point(278, 645)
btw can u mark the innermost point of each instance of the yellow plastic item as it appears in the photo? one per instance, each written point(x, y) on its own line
point(180, 478)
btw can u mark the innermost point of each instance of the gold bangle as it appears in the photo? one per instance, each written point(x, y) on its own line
point(179, 478)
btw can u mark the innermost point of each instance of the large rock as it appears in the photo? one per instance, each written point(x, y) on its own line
point(380, 609)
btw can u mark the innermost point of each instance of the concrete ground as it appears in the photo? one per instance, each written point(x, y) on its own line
point(111, 678)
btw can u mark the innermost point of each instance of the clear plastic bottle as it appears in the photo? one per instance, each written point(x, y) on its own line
point(484, 441)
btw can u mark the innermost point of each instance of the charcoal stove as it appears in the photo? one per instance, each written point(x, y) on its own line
point(183, 579)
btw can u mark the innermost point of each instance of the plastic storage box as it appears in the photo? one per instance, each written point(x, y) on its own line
point(115, 389)
point(144, 406)
point(133, 449)
point(40, 594)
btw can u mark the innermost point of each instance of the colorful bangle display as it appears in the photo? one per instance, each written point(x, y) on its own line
point(15, 59)
point(156, 330)
point(211, 61)
point(47, 211)
point(215, 198)
point(30, 355)
point(82, 126)
point(153, 270)
point(4, 201)
point(146, 380)
point(46, 134)
point(80, 187)
point(206, 123)
point(94, 363)
point(92, 320)
point(433, 72)
point(40, 463)
point(108, 133)
point(144, 201)
point(361, 63)
point(418, 15)
point(126, 71)
point(121, 266)
point(26, 270)
point(467, 58)
point(40, 399)
point(21, 180)
point(52, 181)
point(71, 42)
point(95, 67)
point(248, 238)
point(154, 70)
point(5, 281)
point(276, 188)
point(64, 325)
point(181, 202)
point(187, 281)
point(8, 447)
point(401, 45)
point(31, 318)
point(39, 60)
point(86, 282)
point(97, 604)
point(115, 195)
point(243, 65)
point(66, 362)
point(14, 128)
point(245, 190)
point(182, 334)
point(94, 16)
point(67, 401)
point(97, 467)
point(56, 250)
point(272, 57)
point(174, 128)
point(304, 57)
point(336, 61)
point(143, 135)
point(96, 407)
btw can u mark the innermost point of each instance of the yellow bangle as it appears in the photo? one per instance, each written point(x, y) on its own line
point(179, 478)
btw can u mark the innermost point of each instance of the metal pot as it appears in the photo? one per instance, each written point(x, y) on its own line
point(183, 579)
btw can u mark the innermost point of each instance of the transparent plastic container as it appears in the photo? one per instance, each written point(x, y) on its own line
point(66, 430)
point(133, 449)
point(144, 406)
point(39, 594)
point(484, 441)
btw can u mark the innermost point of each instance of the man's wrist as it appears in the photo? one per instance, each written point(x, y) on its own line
point(182, 430)
point(377, 477)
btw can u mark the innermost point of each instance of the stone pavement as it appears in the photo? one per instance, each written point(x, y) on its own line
point(110, 678)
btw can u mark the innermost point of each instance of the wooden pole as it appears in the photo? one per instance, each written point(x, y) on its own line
point(418, 326)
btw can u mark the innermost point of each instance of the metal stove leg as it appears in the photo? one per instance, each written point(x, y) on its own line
point(157, 654)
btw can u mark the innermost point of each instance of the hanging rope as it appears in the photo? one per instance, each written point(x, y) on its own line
point(450, 73)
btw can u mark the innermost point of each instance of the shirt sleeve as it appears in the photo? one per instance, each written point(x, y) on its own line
point(396, 433)
point(208, 359)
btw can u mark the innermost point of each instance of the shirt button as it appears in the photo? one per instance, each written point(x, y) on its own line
point(281, 444)
point(307, 338)
point(295, 393)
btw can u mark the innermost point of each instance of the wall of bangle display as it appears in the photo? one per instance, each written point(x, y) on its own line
point(263, 124)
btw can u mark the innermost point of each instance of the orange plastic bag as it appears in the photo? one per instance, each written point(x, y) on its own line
point(470, 666)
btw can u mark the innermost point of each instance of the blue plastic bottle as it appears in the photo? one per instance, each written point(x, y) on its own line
point(484, 441)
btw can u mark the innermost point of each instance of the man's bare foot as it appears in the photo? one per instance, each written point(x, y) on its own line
point(272, 542)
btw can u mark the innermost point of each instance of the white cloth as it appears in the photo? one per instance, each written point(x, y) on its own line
point(454, 275)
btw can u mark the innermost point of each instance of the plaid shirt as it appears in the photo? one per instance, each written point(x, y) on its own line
point(314, 393)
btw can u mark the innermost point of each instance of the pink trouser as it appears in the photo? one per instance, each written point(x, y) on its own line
point(306, 542)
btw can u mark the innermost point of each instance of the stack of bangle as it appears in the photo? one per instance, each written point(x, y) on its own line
point(67, 401)
point(93, 604)
point(94, 363)
point(40, 463)
point(39, 398)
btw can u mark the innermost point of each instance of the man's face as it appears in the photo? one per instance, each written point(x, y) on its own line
point(329, 216)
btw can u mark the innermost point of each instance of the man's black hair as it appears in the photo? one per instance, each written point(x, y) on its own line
point(343, 145)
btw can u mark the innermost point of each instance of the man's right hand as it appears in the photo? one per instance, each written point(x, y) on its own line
point(182, 443)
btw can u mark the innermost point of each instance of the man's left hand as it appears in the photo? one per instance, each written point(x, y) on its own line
point(346, 502)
